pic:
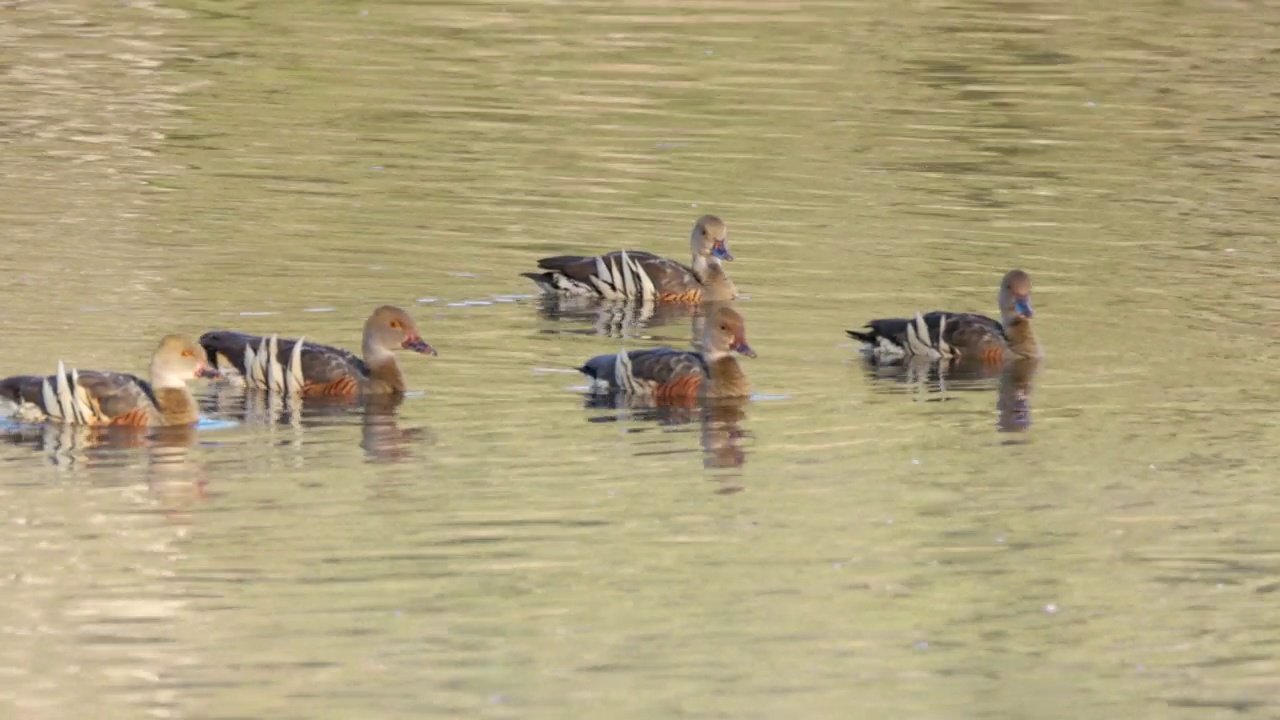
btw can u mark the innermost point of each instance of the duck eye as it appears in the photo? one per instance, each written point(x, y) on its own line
point(188, 353)
point(395, 324)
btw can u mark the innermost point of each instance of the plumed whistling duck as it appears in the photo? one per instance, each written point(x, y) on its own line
point(643, 275)
point(954, 336)
point(681, 376)
point(296, 366)
point(91, 397)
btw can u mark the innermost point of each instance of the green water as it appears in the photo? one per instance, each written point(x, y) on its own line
point(844, 546)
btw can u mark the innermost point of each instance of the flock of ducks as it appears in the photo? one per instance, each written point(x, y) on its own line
point(661, 375)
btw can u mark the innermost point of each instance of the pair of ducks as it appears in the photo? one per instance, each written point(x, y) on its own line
point(664, 374)
point(103, 398)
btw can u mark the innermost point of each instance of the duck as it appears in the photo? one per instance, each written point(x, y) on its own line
point(960, 336)
point(298, 367)
point(644, 275)
point(667, 375)
point(100, 398)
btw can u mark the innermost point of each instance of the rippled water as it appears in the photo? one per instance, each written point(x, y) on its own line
point(1096, 538)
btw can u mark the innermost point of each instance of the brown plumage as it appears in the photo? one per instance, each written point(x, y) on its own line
point(322, 369)
point(640, 274)
point(671, 376)
point(109, 398)
point(950, 335)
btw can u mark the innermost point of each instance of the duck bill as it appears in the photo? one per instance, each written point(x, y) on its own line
point(419, 345)
point(1023, 306)
point(208, 373)
point(742, 348)
point(721, 250)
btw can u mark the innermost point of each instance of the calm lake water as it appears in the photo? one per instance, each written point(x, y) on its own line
point(844, 545)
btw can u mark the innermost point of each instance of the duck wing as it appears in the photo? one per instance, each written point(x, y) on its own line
point(618, 274)
point(321, 364)
point(663, 372)
point(935, 334)
point(121, 398)
point(325, 364)
point(20, 389)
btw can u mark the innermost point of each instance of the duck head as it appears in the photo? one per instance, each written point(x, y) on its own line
point(709, 238)
point(390, 328)
point(1015, 297)
point(726, 332)
point(178, 359)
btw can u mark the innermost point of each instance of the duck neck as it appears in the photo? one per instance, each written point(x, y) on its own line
point(718, 285)
point(177, 406)
point(725, 377)
point(173, 398)
point(1022, 337)
point(384, 371)
point(701, 265)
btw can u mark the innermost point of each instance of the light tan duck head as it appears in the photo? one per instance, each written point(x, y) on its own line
point(178, 359)
point(726, 332)
point(390, 328)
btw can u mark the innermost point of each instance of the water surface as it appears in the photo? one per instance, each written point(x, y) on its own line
point(492, 547)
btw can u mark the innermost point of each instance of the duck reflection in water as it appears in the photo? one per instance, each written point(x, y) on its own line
point(932, 380)
point(719, 422)
point(381, 437)
point(1014, 399)
point(623, 318)
point(88, 445)
point(169, 467)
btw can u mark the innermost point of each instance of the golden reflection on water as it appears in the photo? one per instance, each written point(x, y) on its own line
point(491, 547)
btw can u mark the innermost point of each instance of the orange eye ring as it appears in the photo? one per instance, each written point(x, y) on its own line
point(395, 324)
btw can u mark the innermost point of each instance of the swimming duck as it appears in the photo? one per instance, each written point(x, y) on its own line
point(93, 397)
point(308, 369)
point(640, 274)
point(953, 336)
point(680, 376)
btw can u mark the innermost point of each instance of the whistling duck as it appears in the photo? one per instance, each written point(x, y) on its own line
point(953, 336)
point(91, 397)
point(670, 375)
point(308, 369)
point(643, 275)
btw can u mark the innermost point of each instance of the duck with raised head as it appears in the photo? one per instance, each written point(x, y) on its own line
point(960, 336)
point(644, 275)
point(668, 375)
point(304, 368)
point(91, 397)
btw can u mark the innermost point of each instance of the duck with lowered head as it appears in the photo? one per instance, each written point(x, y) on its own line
point(960, 336)
point(643, 275)
point(91, 397)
